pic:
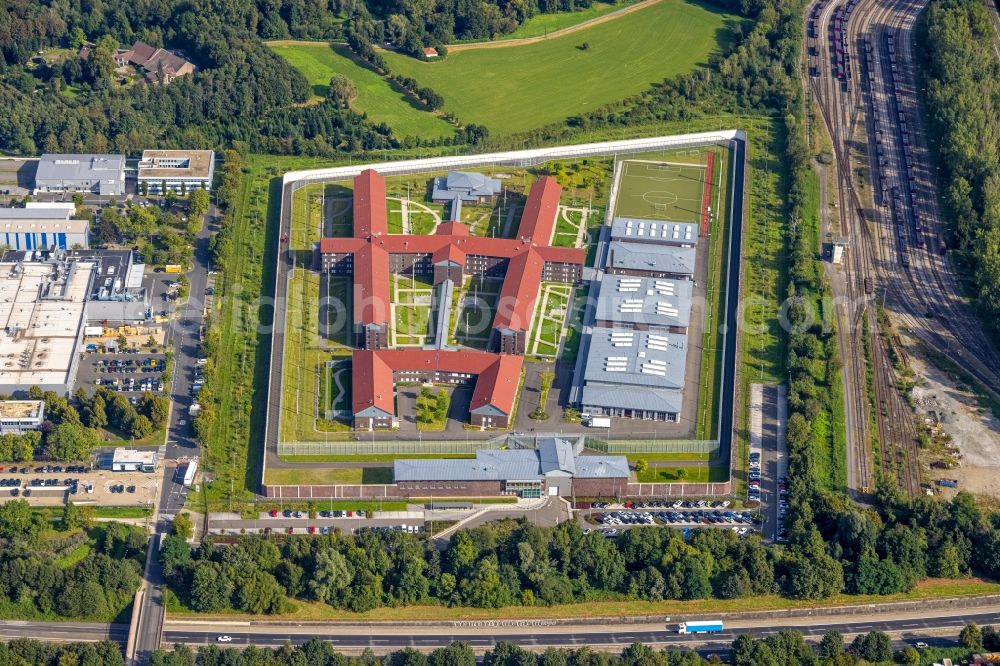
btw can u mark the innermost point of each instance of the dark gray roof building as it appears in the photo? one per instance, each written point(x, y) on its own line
point(97, 174)
point(553, 458)
point(647, 259)
point(468, 186)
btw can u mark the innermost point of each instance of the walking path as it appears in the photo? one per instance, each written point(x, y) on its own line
point(502, 43)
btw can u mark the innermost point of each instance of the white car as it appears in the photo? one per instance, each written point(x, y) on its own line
point(224, 639)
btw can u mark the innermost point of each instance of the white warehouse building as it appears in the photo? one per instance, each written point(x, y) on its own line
point(96, 174)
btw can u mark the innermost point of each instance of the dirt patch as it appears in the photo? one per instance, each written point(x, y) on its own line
point(962, 430)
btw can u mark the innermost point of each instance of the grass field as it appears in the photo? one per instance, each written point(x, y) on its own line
point(698, 474)
point(412, 310)
point(519, 88)
point(661, 191)
point(380, 98)
point(550, 316)
point(475, 312)
point(329, 476)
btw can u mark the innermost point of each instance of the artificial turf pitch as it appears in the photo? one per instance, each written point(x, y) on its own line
point(661, 191)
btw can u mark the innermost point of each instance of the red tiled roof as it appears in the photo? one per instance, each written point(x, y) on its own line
point(452, 228)
point(538, 220)
point(497, 385)
point(371, 381)
point(498, 375)
point(451, 240)
point(369, 205)
point(371, 285)
point(519, 292)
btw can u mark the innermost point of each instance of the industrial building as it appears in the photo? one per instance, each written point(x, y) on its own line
point(450, 253)
point(116, 296)
point(94, 174)
point(43, 226)
point(554, 468)
point(644, 303)
point(18, 416)
point(177, 170)
point(42, 320)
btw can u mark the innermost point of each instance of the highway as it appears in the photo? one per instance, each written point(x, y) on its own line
point(384, 639)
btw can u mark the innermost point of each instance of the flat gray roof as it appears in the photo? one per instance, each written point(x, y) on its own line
point(660, 302)
point(64, 167)
point(554, 457)
point(630, 397)
point(628, 357)
point(651, 257)
point(654, 231)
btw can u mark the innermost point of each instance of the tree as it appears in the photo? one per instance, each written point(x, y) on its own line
point(183, 526)
point(908, 655)
point(211, 589)
point(70, 441)
point(831, 646)
point(198, 202)
point(18, 521)
point(139, 427)
point(331, 576)
point(342, 90)
point(971, 637)
point(641, 465)
point(75, 516)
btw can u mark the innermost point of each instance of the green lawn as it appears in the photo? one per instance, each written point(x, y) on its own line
point(523, 87)
point(327, 476)
point(381, 99)
point(699, 474)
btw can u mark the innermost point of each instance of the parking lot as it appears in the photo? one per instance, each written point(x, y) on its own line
point(80, 484)
point(131, 373)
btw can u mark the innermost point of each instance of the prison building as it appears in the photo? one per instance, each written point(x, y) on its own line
point(451, 253)
point(644, 303)
point(494, 377)
point(657, 232)
point(650, 260)
point(635, 374)
point(554, 468)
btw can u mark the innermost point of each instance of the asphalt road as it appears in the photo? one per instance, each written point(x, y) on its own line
point(183, 333)
point(63, 631)
point(380, 640)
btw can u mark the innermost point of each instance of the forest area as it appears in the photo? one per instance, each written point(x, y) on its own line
point(962, 100)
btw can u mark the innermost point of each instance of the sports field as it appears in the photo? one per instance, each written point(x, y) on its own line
point(523, 87)
point(381, 99)
point(661, 191)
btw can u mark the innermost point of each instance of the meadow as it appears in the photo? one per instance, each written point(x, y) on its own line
point(522, 87)
point(379, 97)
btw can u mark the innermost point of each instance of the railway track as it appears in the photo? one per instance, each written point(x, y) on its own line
point(895, 235)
